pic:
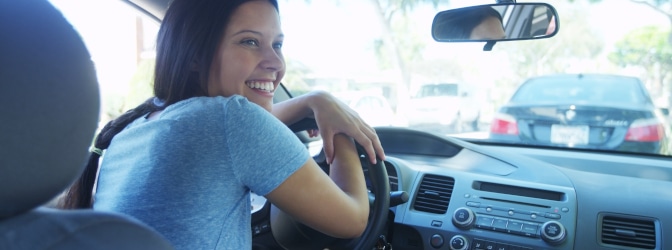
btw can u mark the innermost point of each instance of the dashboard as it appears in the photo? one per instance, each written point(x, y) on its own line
point(478, 196)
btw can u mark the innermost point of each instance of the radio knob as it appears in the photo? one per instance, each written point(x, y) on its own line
point(459, 242)
point(463, 218)
point(553, 232)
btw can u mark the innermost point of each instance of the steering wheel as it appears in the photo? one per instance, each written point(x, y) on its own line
point(291, 234)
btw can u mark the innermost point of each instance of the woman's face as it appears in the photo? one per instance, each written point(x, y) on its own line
point(249, 60)
point(490, 29)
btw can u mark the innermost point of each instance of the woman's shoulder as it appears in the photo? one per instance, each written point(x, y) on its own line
point(207, 114)
point(210, 107)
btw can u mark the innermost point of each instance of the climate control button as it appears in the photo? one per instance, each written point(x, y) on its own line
point(459, 242)
point(436, 241)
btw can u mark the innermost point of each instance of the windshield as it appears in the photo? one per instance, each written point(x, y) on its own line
point(385, 49)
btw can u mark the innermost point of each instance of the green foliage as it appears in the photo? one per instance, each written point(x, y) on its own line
point(574, 42)
point(411, 43)
point(657, 3)
point(405, 5)
point(295, 76)
point(392, 48)
point(647, 47)
point(662, 6)
point(141, 84)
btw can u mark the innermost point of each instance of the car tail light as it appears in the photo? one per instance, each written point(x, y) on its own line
point(645, 130)
point(504, 124)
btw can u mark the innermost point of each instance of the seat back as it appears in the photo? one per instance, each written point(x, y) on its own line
point(49, 109)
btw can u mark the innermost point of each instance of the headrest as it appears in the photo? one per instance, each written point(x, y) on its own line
point(49, 104)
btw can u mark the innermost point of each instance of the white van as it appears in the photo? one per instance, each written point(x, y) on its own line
point(445, 107)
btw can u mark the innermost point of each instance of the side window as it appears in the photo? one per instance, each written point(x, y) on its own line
point(122, 45)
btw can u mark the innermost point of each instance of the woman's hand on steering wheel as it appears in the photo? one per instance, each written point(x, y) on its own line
point(334, 117)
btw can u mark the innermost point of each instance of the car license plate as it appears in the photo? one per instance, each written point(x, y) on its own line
point(563, 134)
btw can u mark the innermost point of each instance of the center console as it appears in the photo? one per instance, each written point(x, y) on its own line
point(490, 216)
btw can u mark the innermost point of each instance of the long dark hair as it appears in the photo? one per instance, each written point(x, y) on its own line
point(186, 44)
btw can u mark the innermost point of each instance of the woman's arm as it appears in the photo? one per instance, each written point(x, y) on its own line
point(337, 204)
point(295, 109)
point(332, 117)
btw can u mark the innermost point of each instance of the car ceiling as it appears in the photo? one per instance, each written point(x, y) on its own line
point(154, 8)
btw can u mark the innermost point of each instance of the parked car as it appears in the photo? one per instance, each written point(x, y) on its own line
point(572, 162)
point(597, 111)
point(443, 108)
point(372, 107)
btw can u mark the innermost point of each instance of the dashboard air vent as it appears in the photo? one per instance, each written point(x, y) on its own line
point(392, 175)
point(628, 232)
point(434, 194)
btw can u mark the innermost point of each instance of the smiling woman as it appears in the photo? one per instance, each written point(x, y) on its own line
point(218, 64)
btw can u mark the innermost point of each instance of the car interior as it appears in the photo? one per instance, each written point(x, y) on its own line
point(433, 191)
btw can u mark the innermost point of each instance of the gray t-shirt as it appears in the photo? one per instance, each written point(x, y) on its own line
point(189, 172)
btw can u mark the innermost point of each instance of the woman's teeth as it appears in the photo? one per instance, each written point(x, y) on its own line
point(265, 86)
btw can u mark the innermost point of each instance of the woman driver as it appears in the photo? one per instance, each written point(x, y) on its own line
point(185, 161)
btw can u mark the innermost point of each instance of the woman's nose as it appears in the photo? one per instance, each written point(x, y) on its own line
point(273, 60)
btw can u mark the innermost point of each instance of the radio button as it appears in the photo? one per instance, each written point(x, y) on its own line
point(552, 216)
point(473, 204)
point(515, 227)
point(500, 224)
point(530, 230)
point(484, 222)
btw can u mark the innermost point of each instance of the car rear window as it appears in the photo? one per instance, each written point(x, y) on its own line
point(438, 90)
point(592, 91)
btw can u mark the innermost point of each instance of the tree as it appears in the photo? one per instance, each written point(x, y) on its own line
point(394, 49)
point(393, 13)
point(624, 57)
point(294, 78)
point(574, 44)
point(661, 6)
point(646, 48)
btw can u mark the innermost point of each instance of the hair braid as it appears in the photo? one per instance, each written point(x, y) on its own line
point(80, 194)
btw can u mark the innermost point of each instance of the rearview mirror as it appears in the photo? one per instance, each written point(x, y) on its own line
point(496, 22)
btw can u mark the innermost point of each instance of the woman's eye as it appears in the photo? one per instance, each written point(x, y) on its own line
point(277, 45)
point(250, 42)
